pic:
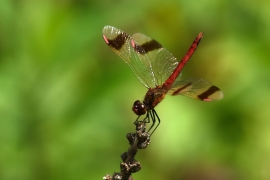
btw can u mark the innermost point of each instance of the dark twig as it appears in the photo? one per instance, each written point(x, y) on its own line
point(138, 140)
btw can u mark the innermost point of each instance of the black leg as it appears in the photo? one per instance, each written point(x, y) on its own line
point(147, 119)
point(154, 116)
point(135, 122)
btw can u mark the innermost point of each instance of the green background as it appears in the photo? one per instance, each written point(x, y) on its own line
point(65, 97)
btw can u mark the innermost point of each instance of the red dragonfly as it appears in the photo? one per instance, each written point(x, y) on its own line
point(158, 70)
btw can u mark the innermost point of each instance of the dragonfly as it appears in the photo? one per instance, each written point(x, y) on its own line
point(158, 70)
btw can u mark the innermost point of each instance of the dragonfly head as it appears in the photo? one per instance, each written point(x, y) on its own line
point(139, 108)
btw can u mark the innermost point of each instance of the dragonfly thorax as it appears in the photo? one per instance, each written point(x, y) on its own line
point(153, 97)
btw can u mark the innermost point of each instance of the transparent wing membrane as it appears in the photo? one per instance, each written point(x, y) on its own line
point(150, 62)
point(120, 42)
point(162, 61)
point(196, 88)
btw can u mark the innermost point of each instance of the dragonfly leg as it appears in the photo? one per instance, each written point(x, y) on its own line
point(150, 116)
point(154, 117)
point(145, 120)
point(135, 122)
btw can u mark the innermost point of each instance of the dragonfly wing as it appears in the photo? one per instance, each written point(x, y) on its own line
point(123, 45)
point(162, 61)
point(196, 88)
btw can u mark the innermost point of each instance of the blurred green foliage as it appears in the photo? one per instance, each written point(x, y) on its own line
point(65, 97)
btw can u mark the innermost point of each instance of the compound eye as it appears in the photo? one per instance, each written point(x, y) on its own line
point(139, 108)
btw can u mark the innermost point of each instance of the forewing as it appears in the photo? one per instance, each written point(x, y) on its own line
point(123, 45)
point(162, 61)
point(196, 88)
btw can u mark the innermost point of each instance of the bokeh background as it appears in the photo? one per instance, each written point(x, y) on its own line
point(65, 97)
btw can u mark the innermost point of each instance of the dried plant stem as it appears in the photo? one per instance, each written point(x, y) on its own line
point(138, 140)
